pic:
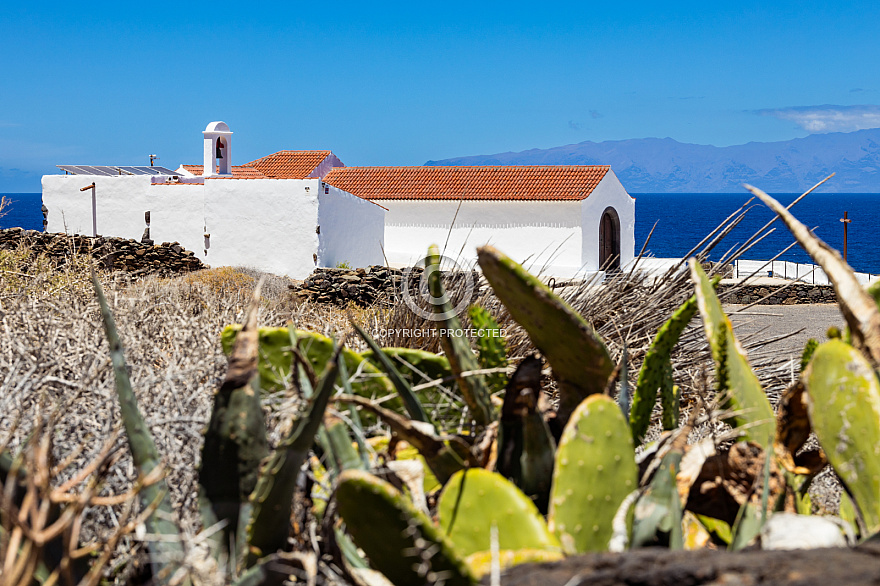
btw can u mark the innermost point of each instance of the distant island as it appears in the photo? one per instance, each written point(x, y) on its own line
point(664, 165)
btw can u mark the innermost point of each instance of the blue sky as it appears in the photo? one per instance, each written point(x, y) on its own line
point(402, 83)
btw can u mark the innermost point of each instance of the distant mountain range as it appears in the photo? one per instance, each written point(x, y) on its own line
point(664, 165)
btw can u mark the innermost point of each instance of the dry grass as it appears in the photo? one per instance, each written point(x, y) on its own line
point(53, 357)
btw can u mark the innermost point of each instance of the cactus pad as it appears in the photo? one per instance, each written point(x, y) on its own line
point(656, 373)
point(578, 357)
point(595, 470)
point(399, 540)
point(275, 361)
point(474, 500)
point(738, 387)
point(843, 399)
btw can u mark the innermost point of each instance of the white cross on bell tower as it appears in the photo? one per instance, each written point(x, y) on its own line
point(217, 161)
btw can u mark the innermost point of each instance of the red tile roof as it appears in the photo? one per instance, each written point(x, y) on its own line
point(280, 165)
point(238, 171)
point(289, 164)
point(535, 183)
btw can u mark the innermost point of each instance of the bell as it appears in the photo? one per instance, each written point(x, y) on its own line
point(219, 154)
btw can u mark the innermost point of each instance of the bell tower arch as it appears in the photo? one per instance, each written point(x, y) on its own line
point(218, 160)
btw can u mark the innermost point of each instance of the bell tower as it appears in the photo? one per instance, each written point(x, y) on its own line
point(217, 162)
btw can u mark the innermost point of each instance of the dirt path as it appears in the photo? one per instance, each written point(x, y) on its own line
point(775, 320)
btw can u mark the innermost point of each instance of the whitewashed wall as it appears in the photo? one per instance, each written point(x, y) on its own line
point(267, 224)
point(176, 211)
point(538, 233)
point(609, 193)
point(352, 229)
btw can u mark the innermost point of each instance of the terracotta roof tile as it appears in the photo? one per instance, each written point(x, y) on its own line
point(238, 171)
point(545, 182)
point(280, 165)
point(289, 164)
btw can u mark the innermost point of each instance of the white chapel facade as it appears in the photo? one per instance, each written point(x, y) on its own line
point(291, 211)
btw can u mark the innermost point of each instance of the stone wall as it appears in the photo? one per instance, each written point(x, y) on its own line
point(802, 293)
point(369, 285)
point(120, 254)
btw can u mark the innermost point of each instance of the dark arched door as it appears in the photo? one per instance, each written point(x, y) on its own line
point(609, 240)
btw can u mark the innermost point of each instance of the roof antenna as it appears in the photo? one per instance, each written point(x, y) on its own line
point(153, 158)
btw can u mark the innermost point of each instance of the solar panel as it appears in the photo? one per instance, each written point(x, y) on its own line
point(108, 170)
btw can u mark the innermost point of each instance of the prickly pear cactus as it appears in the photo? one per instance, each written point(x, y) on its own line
point(843, 399)
point(738, 388)
point(399, 540)
point(595, 471)
point(578, 357)
point(656, 373)
point(412, 364)
point(474, 500)
point(275, 361)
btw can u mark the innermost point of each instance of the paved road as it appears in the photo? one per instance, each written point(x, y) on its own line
point(775, 320)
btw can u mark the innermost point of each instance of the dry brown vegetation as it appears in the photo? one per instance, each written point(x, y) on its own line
point(55, 365)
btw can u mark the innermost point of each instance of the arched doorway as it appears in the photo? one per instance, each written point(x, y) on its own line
point(609, 240)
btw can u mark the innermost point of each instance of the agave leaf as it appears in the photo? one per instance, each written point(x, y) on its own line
point(858, 306)
point(410, 400)
point(738, 387)
point(444, 455)
point(165, 552)
point(457, 348)
point(272, 499)
point(580, 361)
point(344, 454)
point(235, 439)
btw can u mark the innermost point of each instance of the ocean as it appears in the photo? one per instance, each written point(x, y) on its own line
point(683, 219)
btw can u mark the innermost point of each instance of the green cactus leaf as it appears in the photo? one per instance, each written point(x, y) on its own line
point(416, 366)
point(457, 347)
point(491, 346)
point(466, 519)
point(595, 470)
point(165, 553)
point(807, 354)
point(235, 439)
point(656, 373)
point(738, 388)
point(843, 399)
point(410, 401)
point(399, 540)
point(345, 456)
point(272, 499)
point(275, 361)
point(578, 357)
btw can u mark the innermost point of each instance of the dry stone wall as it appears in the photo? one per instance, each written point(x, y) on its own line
point(373, 284)
point(799, 294)
point(120, 254)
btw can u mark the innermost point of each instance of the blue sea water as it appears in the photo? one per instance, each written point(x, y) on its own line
point(683, 219)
